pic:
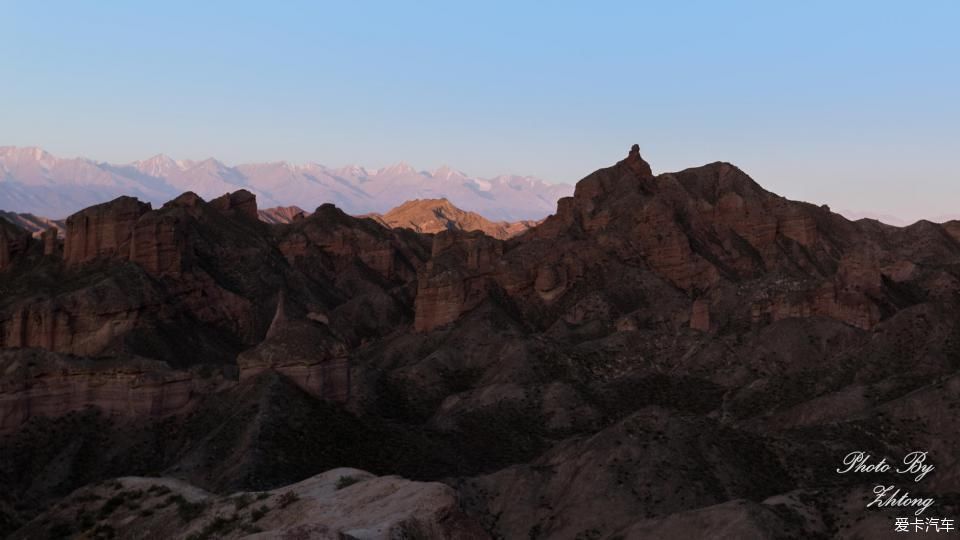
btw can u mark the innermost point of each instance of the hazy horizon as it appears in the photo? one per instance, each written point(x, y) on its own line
point(815, 102)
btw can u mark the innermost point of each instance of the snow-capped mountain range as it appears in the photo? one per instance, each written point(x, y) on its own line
point(35, 181)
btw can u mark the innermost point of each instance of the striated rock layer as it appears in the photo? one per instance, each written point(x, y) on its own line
point(709, 232)
point(40, 383)
point(667, 355)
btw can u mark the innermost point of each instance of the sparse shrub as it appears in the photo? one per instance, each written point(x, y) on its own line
point(104, 532)
point(87, 497)
point(115, 485)
point(158, 490)
point(243, 501)
point(258, 513)
point(85, 519)
point(112, 504)
point(345, 481)
point(220, 526)
point(288, 498)
point(250, 529)
point(205, 371)
point(61, 529)
point(188, 511)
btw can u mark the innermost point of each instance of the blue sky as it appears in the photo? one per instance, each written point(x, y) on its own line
point(856, 104)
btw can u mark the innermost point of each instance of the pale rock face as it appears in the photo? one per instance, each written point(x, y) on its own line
point(282, 214)
point(339, 503)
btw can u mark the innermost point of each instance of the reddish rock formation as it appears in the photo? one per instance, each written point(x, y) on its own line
point(334, 238)
point(187, 200)
point(241, 202)
point(702, 229)
point(159, 244)
point(39, 383)
point(13, 242)
point(636, 163)
point(104, 230)
point(305, 351)
point(51, 244)
point(457, 277)
point(700, 315)
point(736, 337)
point(436, 215)
point(127, 229)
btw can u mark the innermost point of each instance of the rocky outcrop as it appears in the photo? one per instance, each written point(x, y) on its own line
point(456, 278)
point(35, 225)
point(41, 383)
point(240, 202)
point(334, 240)
point(436, 215)
point(159, 245)
point(661, 349)
point(127, 229)
point(706, 231)
point(51, 243)
point(14, 241)
point(282, 214)
point(339, 503)
point(700, 315)
point(105, 230)
point(305, 351)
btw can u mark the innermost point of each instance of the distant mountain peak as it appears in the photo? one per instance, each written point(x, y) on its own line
point(158, 165)
point(446, 172)
point(43, 184)
point(34, 153)
point(398, 168)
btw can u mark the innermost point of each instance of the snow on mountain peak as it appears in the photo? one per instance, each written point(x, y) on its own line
point(398, 168)
point(446, 172)
point(79, 183)
point(158, 165)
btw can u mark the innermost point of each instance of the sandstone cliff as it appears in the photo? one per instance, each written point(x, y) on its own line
point(708, 232)
point(669, 345)
point(40, 383)
point(14, 241)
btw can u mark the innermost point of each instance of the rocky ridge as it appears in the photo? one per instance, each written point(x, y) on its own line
point(663, 355)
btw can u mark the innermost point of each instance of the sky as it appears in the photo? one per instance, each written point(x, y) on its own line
point(853, 104)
